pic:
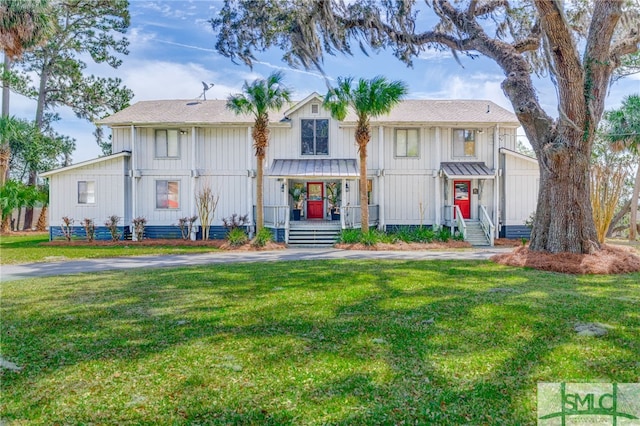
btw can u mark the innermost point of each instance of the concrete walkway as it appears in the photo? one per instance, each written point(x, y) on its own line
point(65, 267)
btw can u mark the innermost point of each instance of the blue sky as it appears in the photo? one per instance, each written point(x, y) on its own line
point(172, 52)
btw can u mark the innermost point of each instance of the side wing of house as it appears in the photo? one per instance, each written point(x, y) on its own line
point(520, 184)
point(95, 189)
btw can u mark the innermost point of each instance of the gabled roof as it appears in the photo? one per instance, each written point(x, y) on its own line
point(215, 112)
point(315, 96)
point(518, 155)
point(85, 163)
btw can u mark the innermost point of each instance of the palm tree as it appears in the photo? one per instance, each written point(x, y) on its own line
point(258, 98)
point(624, 133)
point(369, 99)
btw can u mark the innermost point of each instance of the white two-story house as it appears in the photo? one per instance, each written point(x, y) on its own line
point(430, 163)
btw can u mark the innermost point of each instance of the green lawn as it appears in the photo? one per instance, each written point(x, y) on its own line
point(27, 249)
point(316, 342)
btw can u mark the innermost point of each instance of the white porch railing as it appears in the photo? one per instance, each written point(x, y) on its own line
point(485, 223)
point(276, 216)
point(351, 216)
point(459, 220)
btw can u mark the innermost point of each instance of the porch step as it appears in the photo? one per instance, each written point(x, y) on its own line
point(313, 237)
point(475, 235)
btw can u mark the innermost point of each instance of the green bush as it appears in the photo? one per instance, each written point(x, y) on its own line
point(349, 236)
point(443, 234)
point(404, 234)
point(458, 236)
point(237, 237)
point(263, 237)
point(424, 235)
point(370, 238)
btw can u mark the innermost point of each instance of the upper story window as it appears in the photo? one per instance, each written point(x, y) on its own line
point(167, 194)
point(407, 143)
point(86, 192)
point(167, 143)
point(464, 143)
point(315, 136)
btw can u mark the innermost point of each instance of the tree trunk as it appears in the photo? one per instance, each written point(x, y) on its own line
point(364, 202)
point(613, 226)
point(6, 91)
point(633, 221)
point(28, 213)
point(564, 220)
point(42, 219)
point(259, 194)
point(5, 228)
point(5, 150)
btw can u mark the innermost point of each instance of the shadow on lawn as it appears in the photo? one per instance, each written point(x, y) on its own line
point(344, 342)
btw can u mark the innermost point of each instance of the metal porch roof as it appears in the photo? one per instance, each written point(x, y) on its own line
point(316, 167)
point(466, 170)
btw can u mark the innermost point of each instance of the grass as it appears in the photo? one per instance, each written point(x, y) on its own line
point(315, 342)
point(27, 249)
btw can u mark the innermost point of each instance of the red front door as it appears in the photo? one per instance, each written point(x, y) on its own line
point(315, 200)
point(461, 191)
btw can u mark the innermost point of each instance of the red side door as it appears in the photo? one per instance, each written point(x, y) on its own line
point(315, 200)
point(461, 197)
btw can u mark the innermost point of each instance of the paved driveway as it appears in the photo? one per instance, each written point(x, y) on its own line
point(65, 267)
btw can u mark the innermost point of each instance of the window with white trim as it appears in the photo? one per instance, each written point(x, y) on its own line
point(167, 194)
point(168, 143)
point(464, 143)
point(315, 136)
point(407, 143)
point(86, 192)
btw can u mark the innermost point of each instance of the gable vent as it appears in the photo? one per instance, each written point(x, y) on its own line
point(315, 108)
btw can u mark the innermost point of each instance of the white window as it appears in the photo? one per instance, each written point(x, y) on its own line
point(167, 143)
point(86, 192)
point(464, 143)
point(167, 194)
point(407, 143)
point(315, 136)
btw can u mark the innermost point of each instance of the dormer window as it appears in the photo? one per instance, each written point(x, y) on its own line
point(315, 137)
point(464, 143)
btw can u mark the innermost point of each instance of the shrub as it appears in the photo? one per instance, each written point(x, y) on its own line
point(458, 236)
point(206, 204)
point(67, 227)
point(263, 237)
point(186, 226)
point(443, 234)
point(89, 229)
point(424, 235)
point(404, 234)
point(112, 224)
point(349, 236)
point(235, 221)
point(370, 238)
point(138, 227)
point(237, 237)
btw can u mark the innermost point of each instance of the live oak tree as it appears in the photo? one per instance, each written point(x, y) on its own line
point(258, 98)
point(578, 44)
point(368, 99)
point(83, 29)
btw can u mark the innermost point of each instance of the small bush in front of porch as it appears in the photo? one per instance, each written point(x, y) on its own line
point(349, 236)
point(237, 237)
point(262, 238)
point(112, 224)
point(443, 234)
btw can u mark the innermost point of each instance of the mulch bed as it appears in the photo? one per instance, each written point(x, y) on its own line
point(609, 260)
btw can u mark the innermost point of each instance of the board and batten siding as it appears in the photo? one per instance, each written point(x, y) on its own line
point(111, 179)
point(521, 184)
point(120, 139)
point(145, 151)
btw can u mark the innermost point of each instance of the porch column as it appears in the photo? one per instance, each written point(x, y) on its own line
point(134, 180)
point(496, 180)
point(381, 222)
point(438, 182)
point(194, 181)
